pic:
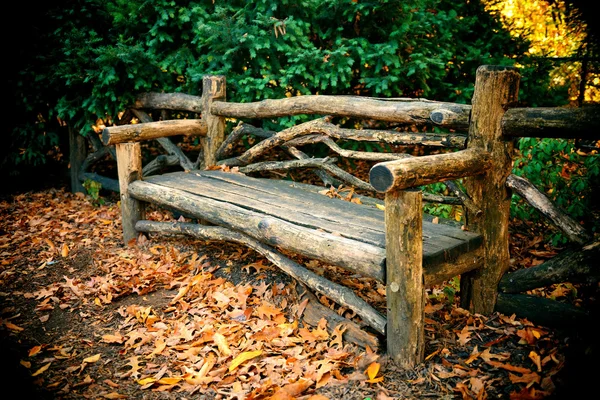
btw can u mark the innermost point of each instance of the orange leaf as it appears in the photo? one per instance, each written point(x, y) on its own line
point(243, 357)
point(373, 370)
point(291, 390)
point(535, 357)
point(34, 350)
point(13, 327)
point(64, 252)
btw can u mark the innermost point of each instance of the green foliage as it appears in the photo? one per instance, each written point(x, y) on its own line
point(92, 57)
point(568, 177)
point(93, 190)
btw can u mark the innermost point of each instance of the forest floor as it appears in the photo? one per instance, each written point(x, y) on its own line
point(83, 316)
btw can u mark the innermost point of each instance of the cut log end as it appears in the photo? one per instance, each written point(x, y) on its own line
point(381, 178)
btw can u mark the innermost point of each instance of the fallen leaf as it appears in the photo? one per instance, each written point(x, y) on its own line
point(528, 379)
point(92, 359)
point(41, 370)
point(34, 350)
point(372, 371)
point(114, 395)
point(169, 381)
point(64, 252)
point(222, 344)
point(13, 327)
point(535, 357)
point(291, 390)
point(380, 206)
point(243, 357)
point(146, 381)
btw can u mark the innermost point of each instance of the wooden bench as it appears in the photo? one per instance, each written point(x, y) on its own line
point(394, 244)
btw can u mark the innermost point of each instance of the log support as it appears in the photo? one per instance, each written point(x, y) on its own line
point(213, 89)
point(496, 88)
point(405, 293)
point(129, 166)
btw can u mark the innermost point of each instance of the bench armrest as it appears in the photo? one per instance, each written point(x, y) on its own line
point(417, 171)
point(153, 130)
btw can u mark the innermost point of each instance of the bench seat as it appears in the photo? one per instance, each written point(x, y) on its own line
point(288, 215)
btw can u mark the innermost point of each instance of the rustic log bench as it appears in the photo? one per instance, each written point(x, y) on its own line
point(394, 244)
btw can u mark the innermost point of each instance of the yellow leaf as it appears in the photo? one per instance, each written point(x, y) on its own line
point(26, 364)
point(243, 357)
point(146, 381)
point(65, 250)
point(41, 370)
point(222, 344)
point(92, 359)
point(168, 381)
point(98, 302)
point(376, 380)
point(373, 370)
point(380, 206)
point(34, 350)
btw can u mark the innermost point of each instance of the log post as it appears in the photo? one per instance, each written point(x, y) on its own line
point(496, 89)
point(129, 166)
point(405, 293)
point(213, 88)
point(77, 155)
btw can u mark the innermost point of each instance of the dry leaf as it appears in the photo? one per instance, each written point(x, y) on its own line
point(372, 371)
point(41, 370)
point(243, 357)
point(64, 252)
point(92, 359)
point(222, 344)
point(114, 395)
point(34, 350)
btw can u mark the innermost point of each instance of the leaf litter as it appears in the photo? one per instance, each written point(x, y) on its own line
point(181, 318)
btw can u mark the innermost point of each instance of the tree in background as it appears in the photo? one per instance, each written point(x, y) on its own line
point(86, 60)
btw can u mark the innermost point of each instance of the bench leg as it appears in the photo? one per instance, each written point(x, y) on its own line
point(405, 291)
point(129, 166)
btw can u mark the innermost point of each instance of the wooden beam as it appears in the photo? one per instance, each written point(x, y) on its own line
point(407, 111)
point(152, 130)
point(213, 88)
point(169, 101)
point(540, 202)
point(405, 290)
point(496, 88)
point(417, 171)
point(577, 265)
point(553, 122)
point(543, 311)
point(129, 166)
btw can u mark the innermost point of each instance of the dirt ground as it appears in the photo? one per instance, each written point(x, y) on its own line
point(83, 316)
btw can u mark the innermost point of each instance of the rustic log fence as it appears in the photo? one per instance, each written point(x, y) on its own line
point(483, 161)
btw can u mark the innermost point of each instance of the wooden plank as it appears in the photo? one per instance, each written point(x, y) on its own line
point(355, 256)
point(319, 215)
point(442, 243)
